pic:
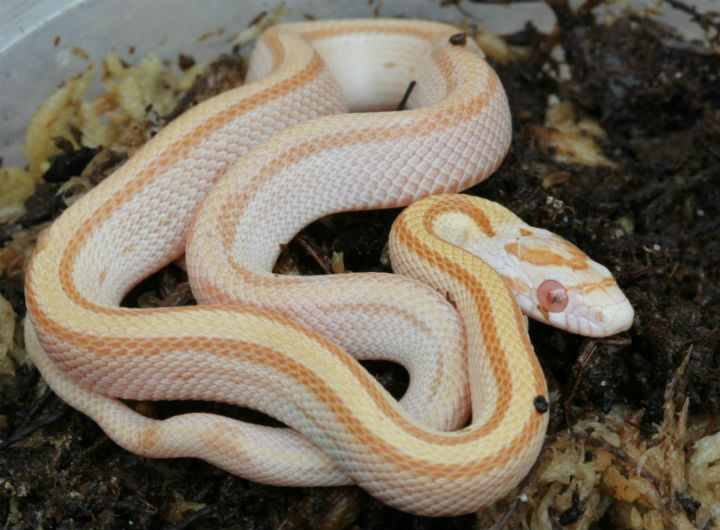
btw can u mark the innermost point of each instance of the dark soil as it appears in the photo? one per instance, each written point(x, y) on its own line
point(658, 99)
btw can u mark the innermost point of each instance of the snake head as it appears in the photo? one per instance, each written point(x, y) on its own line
point(559, 284)
point(552, 280)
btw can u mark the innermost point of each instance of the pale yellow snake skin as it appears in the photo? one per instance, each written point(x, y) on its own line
point(278, 153)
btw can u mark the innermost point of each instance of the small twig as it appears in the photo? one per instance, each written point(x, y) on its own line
point(38, 404)
point(508, 513)
point(314, 255)
point(702, 19)
point(29, 429)
point(624, 457)
point(404, 99)
point(199, 84)
point(580, 364)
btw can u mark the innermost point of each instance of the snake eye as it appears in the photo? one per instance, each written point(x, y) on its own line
point(552, 296)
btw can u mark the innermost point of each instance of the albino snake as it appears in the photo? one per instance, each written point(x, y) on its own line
point(278, 153)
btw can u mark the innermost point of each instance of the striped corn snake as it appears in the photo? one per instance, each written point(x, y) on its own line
point(234, 178)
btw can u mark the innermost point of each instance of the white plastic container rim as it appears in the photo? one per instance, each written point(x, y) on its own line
point(37, 37)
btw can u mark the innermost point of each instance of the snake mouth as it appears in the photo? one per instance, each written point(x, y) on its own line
point(621, 318)
point(604, 321)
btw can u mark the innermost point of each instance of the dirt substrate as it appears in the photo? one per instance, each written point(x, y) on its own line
point(621, 441)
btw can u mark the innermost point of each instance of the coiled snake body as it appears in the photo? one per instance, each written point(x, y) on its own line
point(234, 178)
